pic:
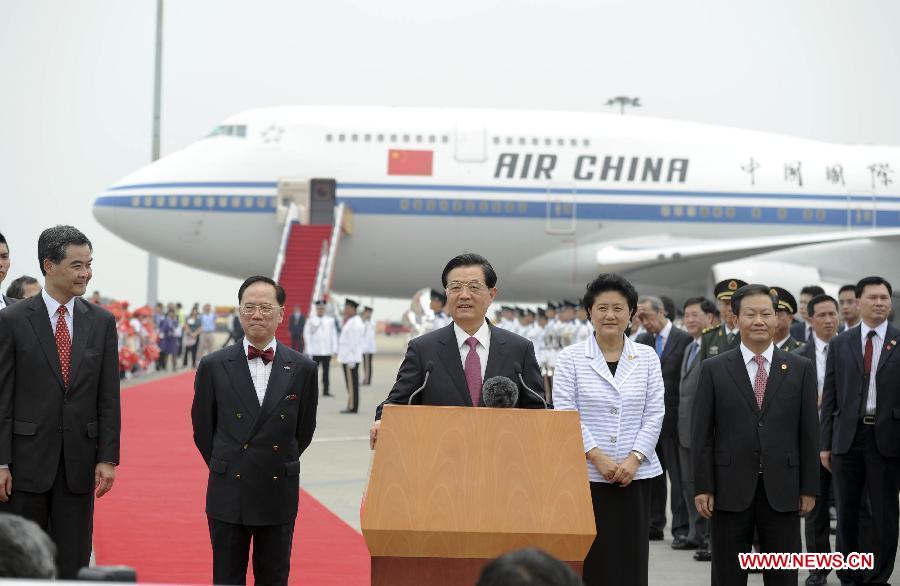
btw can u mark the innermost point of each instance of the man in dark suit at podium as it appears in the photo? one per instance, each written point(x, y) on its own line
point(59, 401)
point(254, 414)
point(468, 351)
point(754, 443)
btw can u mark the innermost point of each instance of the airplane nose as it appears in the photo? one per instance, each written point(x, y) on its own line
point(105, 214)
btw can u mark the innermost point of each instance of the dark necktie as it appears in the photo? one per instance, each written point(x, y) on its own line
point(63, 344)
point(473, 371)
point(267, 355)
point(762, 377)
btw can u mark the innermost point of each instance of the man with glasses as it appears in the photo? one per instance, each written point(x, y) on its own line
point(254, 413)
point(467, 352)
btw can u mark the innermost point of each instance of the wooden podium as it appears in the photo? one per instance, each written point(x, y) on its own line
point(451, 488)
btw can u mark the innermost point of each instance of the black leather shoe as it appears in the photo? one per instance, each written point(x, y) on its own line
point(347, 411)
point(703, 555)
point(816, 579)
point(656, 534)
point(683, 543)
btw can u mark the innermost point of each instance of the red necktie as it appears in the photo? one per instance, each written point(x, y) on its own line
point(267, 355)
point(473, 371)
point(63, 344)
point(867, 357)
point(759, 385)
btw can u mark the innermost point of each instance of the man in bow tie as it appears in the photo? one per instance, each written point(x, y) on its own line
point(254, 413)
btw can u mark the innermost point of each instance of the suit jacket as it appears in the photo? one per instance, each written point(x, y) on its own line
point(252, 450)
point(670, 361)
point(687, 391)
point(447, 383)
point(733, 439)
point(40, 419)
point(842, 393)
point(8, 300)
point(798, 331)
point(296, 325)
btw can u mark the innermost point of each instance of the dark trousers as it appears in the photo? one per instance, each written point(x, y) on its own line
point(732, 533)
point(192, 352)
point(367, 368)
point(297, 343)
point(621, 550)
point(67, 517)
point(698, 526)
point(231, 552)
point(861, 466)
point(667, 452)
point(351, 378)
point(325, 363)
point(817, 525)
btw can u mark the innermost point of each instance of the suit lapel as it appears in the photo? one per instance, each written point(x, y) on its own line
point(40, 322)
point(449, 357)
point(627, 363)
point(239, 374)
point(279, 378)
point(82, 324)
point(778, 371)
point(738, 371)
point(496, 353)
point(856, 347)
point(890, 342)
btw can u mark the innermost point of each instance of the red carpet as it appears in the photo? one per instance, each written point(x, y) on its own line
point(154, 520)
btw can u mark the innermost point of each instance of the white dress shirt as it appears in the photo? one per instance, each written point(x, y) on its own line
point(821, 355)
point(877, 343)
point(618, 413)
point(752, 366)
point(53, 306)
point(260, 371)
point(2, 302)
point(483, 335)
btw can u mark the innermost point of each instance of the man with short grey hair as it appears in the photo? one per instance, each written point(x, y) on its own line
point(25, 550)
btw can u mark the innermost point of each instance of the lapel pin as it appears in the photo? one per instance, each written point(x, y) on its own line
point(893, 342)
point(286, 367)
point(631, 357)
point(784, 367)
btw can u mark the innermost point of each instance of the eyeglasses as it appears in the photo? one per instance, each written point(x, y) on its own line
point(264, 310)
point(475, 287)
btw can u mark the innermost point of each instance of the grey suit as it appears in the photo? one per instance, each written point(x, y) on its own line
point(690, 376)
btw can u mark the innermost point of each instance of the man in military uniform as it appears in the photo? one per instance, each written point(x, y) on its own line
point(551, 348)
point(715, 341)
point(438, 303)
point(583, 327)
point(567, 326)
point(787, 307)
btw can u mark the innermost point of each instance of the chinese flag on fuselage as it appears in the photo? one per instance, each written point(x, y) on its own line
point(402, 162)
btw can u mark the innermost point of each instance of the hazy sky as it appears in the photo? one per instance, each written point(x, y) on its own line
point(76, 83)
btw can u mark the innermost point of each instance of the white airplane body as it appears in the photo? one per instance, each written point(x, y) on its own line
point(551, 198)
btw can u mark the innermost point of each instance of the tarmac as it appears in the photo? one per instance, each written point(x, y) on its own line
point(335, 467)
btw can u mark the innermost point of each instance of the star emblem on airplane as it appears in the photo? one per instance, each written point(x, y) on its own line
point(272, 134)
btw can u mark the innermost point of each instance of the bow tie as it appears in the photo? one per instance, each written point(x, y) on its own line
point(267, 355)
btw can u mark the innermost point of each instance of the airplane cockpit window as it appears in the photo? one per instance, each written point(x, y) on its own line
point(238, 130)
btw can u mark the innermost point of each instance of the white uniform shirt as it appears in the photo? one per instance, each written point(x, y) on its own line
point(320, 336)
point(877, 343)
point(483, 335)
point(259, 371)
point(369, 346)
point(440, 320)
point(352, 341)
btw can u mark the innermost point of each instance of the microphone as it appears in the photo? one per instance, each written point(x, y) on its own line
point(428, 366)
point(499, 391)
point(518, 368)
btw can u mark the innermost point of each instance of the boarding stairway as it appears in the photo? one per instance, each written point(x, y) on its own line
point(305, 264)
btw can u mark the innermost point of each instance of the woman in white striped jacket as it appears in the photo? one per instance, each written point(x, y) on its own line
point(617, 388)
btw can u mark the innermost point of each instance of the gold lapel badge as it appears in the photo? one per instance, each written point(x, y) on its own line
point(784, 367)
point(631, 357)
point(893, 342)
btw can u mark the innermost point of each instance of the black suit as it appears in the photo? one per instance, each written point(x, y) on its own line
point(51, 436)
point(447, 383)
point(667, 445)
point(8, 300)
point(296, 327)
point(687, 391)
point(864, 454)
point(756, 462)
point(253, 453)
point(801, 331)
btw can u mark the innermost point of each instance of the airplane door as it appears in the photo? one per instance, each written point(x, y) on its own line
point(471, 142)
point(862, 210)
point(561, 208)
point(293, 190)
point(323, 198)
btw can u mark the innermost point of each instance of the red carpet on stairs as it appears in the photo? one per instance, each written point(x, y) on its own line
point(154, 520)
point(298, 273)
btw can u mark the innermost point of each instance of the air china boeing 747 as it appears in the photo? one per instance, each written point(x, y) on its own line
point(552, 198)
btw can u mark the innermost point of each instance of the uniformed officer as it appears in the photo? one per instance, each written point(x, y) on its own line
point(787, 307)
point(583, 328)
point(320, 340)
point(567, 326)
point(438, 303)
point(350, 352)
point(725, 337)
point(368, 345)
point(508, 319)
point(551, 348)
point(530, 330)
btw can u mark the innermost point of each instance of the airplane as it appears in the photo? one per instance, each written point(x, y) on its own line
point(550, 198)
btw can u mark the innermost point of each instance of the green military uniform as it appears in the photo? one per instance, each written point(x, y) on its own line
point(787, 303)
point(791, 344)
point(715, 341)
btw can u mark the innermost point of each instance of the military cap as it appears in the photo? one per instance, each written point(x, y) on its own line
point(438, 296)
point(531, 312)
point(786, 301)
point(571, 304)
point(725, 289)
point(520, 312)
point(321, 302)
point(351, 303)
point(551, 305)
point(367, 308)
